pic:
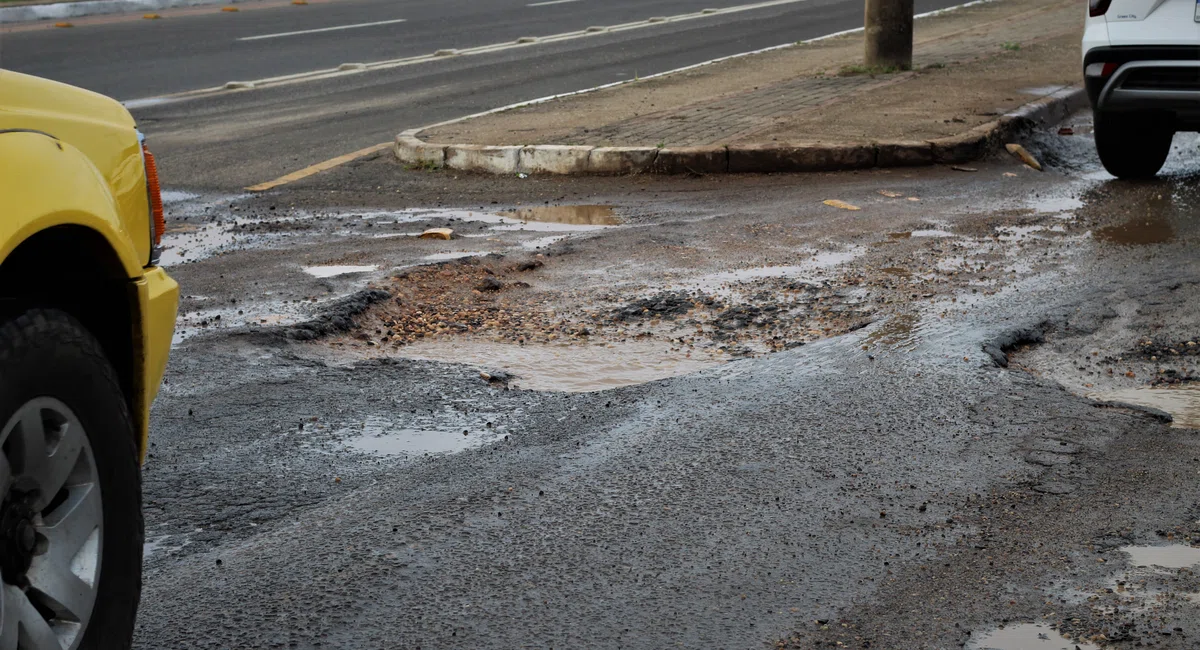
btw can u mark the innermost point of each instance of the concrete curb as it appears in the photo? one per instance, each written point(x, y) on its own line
point(738, 159)
point(60, 10)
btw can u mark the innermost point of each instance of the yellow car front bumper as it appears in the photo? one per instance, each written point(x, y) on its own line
point(158, 299)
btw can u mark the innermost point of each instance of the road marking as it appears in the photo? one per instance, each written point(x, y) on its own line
point(552, 2)
point(322, 29)
point(341, 160)
point(317, 168)
point(317, 75)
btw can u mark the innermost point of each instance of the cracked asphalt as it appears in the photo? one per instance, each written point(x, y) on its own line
point(872, 481)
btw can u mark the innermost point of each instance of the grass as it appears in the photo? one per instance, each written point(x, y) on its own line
point(424, 166)
point(1011, 46)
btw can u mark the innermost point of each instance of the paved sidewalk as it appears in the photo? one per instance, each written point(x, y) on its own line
point(972, 66)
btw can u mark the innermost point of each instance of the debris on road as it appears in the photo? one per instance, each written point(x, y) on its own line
point(835, 203)
point(438, 233)
point(1022, 154)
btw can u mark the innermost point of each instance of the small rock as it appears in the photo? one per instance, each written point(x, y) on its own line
point(489, 285)
point(438, 233)
point(495, 377)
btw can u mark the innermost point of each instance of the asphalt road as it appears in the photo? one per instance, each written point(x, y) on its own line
point(236, 139)
point(887, 488)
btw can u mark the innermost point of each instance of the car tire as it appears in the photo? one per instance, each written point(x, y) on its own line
point(1132, 145)
point(50, 361)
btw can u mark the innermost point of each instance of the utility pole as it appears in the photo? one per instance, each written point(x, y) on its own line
point(889, 34)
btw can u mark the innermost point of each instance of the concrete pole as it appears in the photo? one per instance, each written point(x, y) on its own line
point(889, 33)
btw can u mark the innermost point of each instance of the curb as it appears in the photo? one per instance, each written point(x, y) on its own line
point(739, 159)
point(57, 10)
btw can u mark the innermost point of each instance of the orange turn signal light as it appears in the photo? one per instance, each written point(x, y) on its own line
point(155, 190)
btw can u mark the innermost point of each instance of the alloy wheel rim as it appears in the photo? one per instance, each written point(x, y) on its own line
point(51, 528)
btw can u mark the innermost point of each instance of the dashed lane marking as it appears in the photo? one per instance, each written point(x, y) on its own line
point(322, 29)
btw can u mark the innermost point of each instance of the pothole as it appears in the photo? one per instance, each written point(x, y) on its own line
point(571, 368)
point(1175, 556)
point(381, 437)
point(1027, 636)
point(333, 271)
point(586, 215)
point(1182, 402)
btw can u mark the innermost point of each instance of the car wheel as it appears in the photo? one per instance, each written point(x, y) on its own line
point(70, 491)
point(1132, 145)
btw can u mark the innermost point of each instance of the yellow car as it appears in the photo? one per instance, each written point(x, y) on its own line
point(86, 319)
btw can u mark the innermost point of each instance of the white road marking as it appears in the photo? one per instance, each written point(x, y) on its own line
point(552, 2)
point(316, 75)
point(322, 29)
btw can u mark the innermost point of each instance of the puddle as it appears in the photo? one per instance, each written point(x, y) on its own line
point(928, 232)
point(898, 331)
point(810, 269)
point(1177, 556)
point(570, 368)
point(1028, 636)
point(932, 233)
point(580, 215)
point(1142, 231)
point(1056, 204)
point(445, 257)
point(541, 219)
point(334, 271)
point(1182, 402)
point(541, 242)
point(1018, 233)
point(380, 436)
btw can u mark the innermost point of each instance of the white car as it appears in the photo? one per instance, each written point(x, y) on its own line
point(1141, 62)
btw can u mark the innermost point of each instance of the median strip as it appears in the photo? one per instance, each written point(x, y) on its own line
point(781, 109)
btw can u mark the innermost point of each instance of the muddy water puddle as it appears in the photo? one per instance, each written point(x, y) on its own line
point(1182, 402)
point(1142, 231)
point(582, 215)
point(1175, 556)
point(380, 436)
point(570, 368)
point(1028, 636)
point(897, 332)
point(333, 271)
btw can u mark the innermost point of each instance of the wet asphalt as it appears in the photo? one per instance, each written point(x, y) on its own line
point(913, 494)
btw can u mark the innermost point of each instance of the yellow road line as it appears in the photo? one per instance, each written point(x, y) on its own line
point(317, 168)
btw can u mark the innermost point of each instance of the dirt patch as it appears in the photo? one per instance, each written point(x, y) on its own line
point(474, 296)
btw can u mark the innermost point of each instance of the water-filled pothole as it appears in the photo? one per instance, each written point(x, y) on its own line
point(381, 437)
point(1027, 636)
point(335, 270)
point(570, 368)
point(582, 215)
point(1141, 231)
point(1182, 402)
point(1174, 556)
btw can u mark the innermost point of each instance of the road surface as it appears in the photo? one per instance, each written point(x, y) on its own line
point(237, 139)
point(879, 481)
